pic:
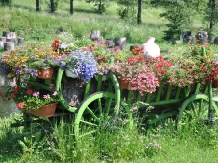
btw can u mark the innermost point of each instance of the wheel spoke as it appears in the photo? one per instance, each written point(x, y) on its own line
point(87, 133)
point(100, 106)
point(89, 123)
point(107, 106)
point(92, 114)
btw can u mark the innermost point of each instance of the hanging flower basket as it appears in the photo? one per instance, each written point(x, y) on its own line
point(44, 111)
point(45, 73)
point(215, 83)
point(123, 84)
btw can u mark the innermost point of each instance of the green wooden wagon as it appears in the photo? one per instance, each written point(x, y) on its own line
point(101, 100)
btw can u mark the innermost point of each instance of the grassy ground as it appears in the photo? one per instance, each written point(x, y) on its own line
point(54, 142)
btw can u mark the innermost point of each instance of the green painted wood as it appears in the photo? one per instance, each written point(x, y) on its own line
point(129, 97)
point(139, 97)
point(187, 91)
point(159, 91)
point(169, 90)
point(48, 81)
point(178, 91)
point(148, 98)
point(116, 88)
point(99, 85)
point(87, 89)
point(84, 109)
point(161, 117)
point(206, 89)
point(197, 88)
point(193, 98)
point(163, 102)
point(59, 79)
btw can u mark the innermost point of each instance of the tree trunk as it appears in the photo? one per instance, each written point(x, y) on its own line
point(37, 5)
point(212, 14)
point(139, 19)
point(52, 6)
point(71, 7)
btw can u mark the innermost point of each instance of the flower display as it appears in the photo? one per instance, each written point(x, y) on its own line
point(137, 50)
point(137, 74)
point(28, 99)
point(81, 63)
point(25, 61)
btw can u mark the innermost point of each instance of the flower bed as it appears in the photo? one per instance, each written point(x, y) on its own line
point(87, 59)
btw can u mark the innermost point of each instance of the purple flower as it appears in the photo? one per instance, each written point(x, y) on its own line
point(21, 80)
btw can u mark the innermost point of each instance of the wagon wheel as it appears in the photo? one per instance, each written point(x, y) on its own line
point(99, 109)
point(196, 108)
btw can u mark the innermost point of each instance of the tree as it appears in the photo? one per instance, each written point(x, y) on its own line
point(178, 13)
point(139, 19)
point(211, 14)
point(5, 2)
point(71, 7)
point(37, 5)
point(127, 9)
point(100, 4)
point(52, 6)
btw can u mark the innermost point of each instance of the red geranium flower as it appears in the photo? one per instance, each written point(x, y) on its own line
point(20, 105)
point(29, 91)
point(12, 95)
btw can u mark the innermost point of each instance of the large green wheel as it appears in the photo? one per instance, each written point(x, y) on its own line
point(99, 109)
point(196, 108)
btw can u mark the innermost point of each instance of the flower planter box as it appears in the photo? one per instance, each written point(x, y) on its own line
point(44, 111)
point(215, 83)
point(45, 73)
point(123, 84)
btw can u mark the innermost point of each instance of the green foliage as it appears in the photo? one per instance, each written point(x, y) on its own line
point(177, 15)
point(5, 2)
point(100, 5)
point(56, 5)
point(127, 9)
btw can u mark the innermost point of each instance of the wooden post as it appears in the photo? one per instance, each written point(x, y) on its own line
point(109, 42)
point(8, 46)
point(3, 39)
point(1, 45)
point(6, 34)
point(13, 37)
point(20, 41)
point(95, 35)
point(216, 40)
point(121, 42)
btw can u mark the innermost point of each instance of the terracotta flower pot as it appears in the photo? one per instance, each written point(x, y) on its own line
point(45, 73)
point(44, 111)
point(123, 84)
point(215, 83)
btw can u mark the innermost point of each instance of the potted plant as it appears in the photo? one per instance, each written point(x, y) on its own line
point(137, 74)
point(32, 101)
point(26, 61)
point(82, 63)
